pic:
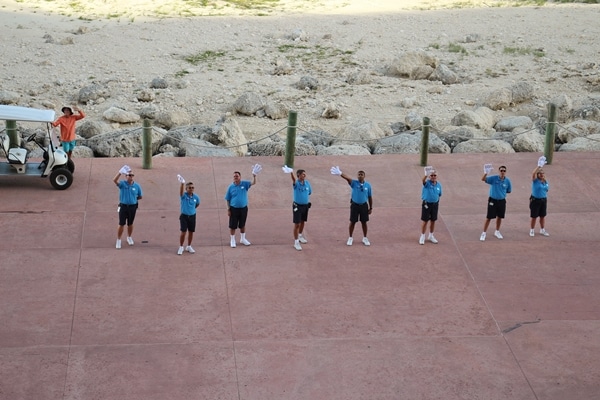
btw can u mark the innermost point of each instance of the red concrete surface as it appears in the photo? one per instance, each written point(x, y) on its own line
point(517, 318)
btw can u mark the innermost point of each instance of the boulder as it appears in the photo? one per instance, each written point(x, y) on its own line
point(483, 146)
point(121, 116)
point(248, 103)
point(528, 141)
point(229, 134)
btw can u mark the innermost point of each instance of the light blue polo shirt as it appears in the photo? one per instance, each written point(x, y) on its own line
point(189, 203)
point(237, 195)
point(128, 194)
point(431, 193)
point(301, 192)
point(539, 189)
point(498, 187)
point(360, 191)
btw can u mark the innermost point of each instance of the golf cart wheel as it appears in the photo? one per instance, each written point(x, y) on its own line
point(61, 178)
point(71, 166)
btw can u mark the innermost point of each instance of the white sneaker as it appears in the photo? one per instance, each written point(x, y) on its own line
point(544, 233)
point(118, 245)
point(245, 242)
point(349, 242)
point(422, 238)
point(366, 242)
point(180, 251)
point(130, 240)
point(297, 246)
point(190, 249)
point(432, 239)
point(302, 239)
point(498, 235)
point(532, 232)
point(482, 237)
point(232, 243)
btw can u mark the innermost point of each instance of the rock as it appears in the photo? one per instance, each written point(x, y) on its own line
point(121, 116)
point(159, 83)
point(577, 129)
point(275, 110)
point(410, 143)
point(89, 128)
point(405, 64)
point(123, 143)
point(499, 99)
point(8, 97)
point(511, 123)
point(146, 95)
point(359, 78)
point(91, 92)
point(564, 107)
point(317, 137)
point(171, 119)
point(230, 135)
point(282, 67)
point(481, 118)
point(528, 141)
point(361, 133)
point(483, 146)
point(307, 83)
point(248, 103)
point(342, 150)
point(82, 152)
point(191, 147)
point(331, 111)
point(587, 143)
point(444, 74)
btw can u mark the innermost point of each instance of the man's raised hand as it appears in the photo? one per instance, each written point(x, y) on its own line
point(287, 169)
point(335, 171)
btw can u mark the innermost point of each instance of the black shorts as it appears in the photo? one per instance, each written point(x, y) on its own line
point(187, 223)
point(237, 218)
point(127, 214)
point(429, 211)
point(496, 208)
point(359, 211)
point(537, 207)
point(300, 212)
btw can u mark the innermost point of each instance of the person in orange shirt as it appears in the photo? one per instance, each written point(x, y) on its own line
point(67, 128)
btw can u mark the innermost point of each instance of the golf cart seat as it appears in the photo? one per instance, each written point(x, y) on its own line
point(16, 155)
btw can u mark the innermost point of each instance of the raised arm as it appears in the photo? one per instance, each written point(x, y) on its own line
point(347, 178)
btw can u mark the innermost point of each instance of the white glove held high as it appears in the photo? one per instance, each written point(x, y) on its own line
point(256, 169)
point(428, 170)
point(335, 171)
point(180, 179)
point(287, 169)
point(125, 169)
point(487, 168)
point(541, 161)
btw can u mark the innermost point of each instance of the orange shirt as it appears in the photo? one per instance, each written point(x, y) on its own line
point(67, 126)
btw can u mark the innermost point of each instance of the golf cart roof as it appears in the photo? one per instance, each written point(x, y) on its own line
point(14, 113)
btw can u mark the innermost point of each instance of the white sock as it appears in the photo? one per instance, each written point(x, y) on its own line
point(232, 237)
point(242, 236)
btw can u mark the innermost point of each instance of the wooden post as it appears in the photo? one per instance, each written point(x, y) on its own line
point(147, 145)
point(550, 129)
point(290, 144)
point(424, 141)
point(11, 132)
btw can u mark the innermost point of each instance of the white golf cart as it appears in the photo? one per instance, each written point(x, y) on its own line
point(55, 163)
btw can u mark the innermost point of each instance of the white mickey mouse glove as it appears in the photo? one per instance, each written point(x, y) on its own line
point(541, 161)
point(180, 179)
point(428, 170)
point(487, 168)
point(335, 171)
point(256, 169)
point(125, 169)
point(287, 169)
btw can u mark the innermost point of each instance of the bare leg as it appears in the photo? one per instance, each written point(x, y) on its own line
point(498, 223)
point(351, 228)
point(364, 228)
point(486, 225)
point(120, 231)
point(181, 238)
point(431, 227)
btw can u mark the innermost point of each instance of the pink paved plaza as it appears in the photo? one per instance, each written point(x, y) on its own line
point(514, 319)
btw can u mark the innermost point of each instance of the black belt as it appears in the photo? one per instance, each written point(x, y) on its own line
point(358, 204)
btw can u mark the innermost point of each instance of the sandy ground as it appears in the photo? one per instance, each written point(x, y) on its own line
point(50, 52)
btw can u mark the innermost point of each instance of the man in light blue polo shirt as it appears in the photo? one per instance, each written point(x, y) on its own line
point(430, 201)
point(129, 194)
point(189, 201)
point(500, 186)
point(302, 191)
point(361, 203)
point(237, 204)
